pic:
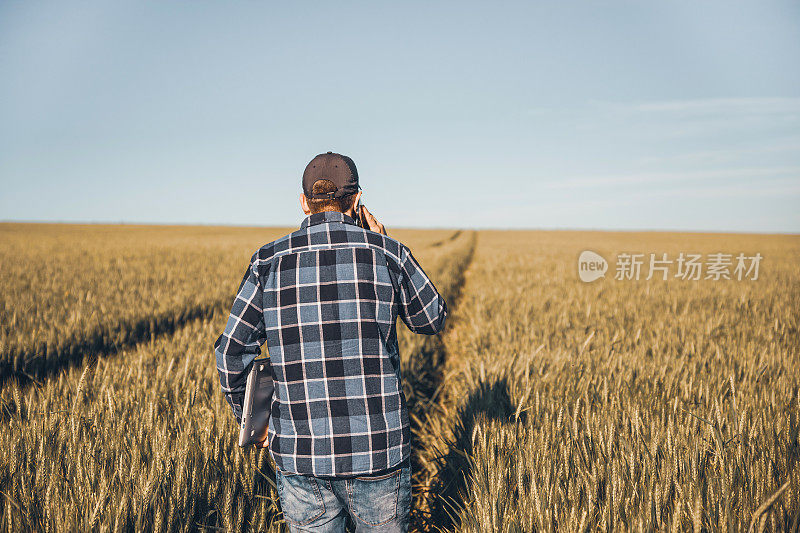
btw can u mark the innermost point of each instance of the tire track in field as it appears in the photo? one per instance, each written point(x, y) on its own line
point(452, 237)
point(424, 376)
point(31, 366)
point(446, 424)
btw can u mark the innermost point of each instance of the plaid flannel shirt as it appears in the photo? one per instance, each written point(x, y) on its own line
point(325, 300)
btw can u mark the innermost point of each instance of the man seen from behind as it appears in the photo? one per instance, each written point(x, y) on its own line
point(325, 300)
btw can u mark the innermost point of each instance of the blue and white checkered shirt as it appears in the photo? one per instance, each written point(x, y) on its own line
point(325, 300)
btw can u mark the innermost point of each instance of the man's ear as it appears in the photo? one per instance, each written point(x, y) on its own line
point(304, 204)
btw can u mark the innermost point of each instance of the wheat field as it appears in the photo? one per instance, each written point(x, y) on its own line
point(547, 404)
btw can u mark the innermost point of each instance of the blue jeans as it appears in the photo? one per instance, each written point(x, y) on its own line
point(374, 503)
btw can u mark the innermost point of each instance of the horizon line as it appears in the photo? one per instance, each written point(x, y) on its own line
point(432, 228)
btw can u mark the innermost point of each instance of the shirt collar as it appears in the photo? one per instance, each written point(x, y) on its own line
point(326, 217)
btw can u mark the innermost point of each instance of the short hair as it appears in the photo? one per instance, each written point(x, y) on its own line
point(318, 205)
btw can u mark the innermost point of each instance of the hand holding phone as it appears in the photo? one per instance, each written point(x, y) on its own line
point(368, 221)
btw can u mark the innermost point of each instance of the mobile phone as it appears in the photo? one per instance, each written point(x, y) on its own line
point(360, 216)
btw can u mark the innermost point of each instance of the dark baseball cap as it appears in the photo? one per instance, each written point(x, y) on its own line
point(336, 168)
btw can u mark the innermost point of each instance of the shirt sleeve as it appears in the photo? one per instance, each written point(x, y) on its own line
point(421, 307)
point(241, 341)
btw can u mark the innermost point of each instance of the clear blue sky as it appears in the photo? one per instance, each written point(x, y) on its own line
point(615, 115)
